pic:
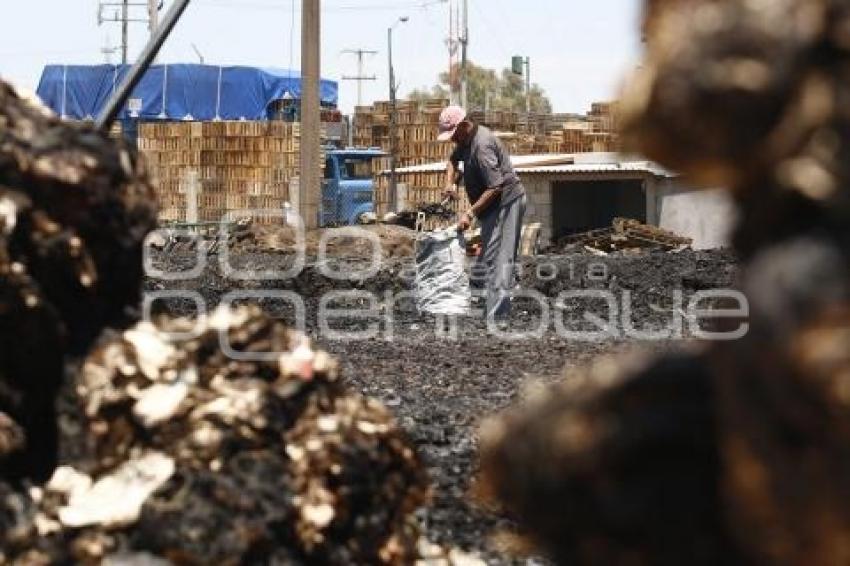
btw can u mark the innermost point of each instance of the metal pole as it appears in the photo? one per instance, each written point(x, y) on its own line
point(125, 7)
point(113, 107)
point(359, 80)
point(528, 94)
point(393, 196)
point(360, 76)
point(153, 16)
point(310, 183)
point(463, 68)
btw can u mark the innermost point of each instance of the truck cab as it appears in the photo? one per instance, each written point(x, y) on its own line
point(348, 186)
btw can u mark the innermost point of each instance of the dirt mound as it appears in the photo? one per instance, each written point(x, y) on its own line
point(385, 240)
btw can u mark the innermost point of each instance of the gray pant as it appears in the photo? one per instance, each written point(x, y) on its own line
point(501, 230)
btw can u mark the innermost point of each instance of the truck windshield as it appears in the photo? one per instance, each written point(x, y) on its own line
point(354, 168)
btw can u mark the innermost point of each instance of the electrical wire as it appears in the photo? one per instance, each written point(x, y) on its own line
point(255, 5)
point(493, 35)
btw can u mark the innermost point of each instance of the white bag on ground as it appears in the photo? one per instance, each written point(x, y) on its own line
point(442, 284)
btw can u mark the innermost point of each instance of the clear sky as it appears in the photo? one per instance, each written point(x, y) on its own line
point(579, 49)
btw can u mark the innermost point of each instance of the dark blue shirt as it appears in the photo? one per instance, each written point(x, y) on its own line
point(487, 165)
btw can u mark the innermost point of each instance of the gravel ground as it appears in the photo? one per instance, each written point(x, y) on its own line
point(441, 387)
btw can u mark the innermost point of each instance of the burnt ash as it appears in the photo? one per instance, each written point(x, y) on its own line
point(442, 388)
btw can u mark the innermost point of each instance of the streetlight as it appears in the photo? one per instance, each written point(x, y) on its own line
point(393, 86)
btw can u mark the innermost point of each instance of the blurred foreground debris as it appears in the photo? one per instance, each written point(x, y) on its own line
point(223, 440)
point(738, 453)
point(203, 458)
point(74, 208)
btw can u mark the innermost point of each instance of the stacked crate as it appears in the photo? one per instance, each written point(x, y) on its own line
point(416, 131)
point(575, 137)
point(603, 117)
point(497, 120)
point(597, 132)
point(417, 145)
point(232, 165)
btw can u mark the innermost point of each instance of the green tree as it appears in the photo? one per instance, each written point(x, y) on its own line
point(420, 94)
point(505, 91)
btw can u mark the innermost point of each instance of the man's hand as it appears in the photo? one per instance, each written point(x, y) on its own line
point(450, 192)
point(465, 222)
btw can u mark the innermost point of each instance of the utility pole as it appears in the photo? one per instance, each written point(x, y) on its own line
point(125, 14)
point(309, 186)
point(108, 50)
point(393, 116)
point(122, 16)
point(453, 42)
point(528, 93)
point(464, 42)
point(360, 76)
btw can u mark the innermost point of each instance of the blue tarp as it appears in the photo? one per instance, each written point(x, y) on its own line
point(191, 92)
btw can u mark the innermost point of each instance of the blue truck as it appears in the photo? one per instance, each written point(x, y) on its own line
point(348, 186)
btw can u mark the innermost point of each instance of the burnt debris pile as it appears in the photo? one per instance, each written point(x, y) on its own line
point(74, 208)
point(736, 454)
point(220, 440)
point(238, 444)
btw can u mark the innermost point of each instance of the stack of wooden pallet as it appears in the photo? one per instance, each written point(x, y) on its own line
point(416, 131)
point(227, 166)
point(417, 145)
point(496, 120)
point(625, 234)
point(596, 132)
point(603, 117)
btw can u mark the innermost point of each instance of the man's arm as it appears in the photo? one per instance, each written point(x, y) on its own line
point(487, 198)
point(452, 174)
point(484, 202)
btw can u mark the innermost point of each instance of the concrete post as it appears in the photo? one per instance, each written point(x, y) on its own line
point(310, 181)
point(192, 190)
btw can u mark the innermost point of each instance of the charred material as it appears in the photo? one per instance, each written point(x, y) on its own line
point(204, 458)
point(81, 205)
point(434, 212)
point(74, 209)
point(614, 466)
point(751, 96)
point(357, 483)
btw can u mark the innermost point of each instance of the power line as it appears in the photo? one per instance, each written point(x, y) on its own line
point(339, 8)
point(360, 76)
point(494, 35)
point(126, 16)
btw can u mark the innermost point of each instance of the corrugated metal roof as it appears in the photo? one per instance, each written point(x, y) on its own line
point(564, 164)
point(599, 168)
point(518, 161)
